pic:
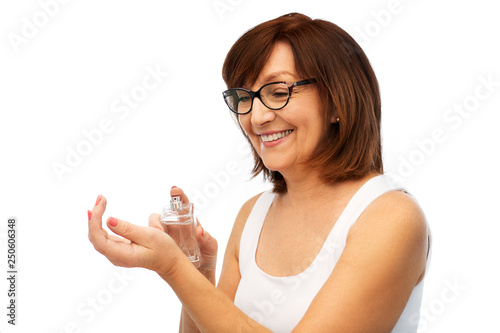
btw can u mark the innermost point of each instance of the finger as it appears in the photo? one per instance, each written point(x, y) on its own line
point(100, 205)
point(207, 244)
point(119, 239)
point(95, 221)
point(97, 235)
point(137, 234)
point(177, 191)
point(154, 221)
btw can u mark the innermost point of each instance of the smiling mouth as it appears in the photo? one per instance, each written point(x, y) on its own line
point(275, 136)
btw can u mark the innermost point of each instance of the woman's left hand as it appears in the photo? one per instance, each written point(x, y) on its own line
point(138, 247)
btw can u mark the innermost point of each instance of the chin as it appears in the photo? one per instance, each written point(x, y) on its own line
point(276, 165)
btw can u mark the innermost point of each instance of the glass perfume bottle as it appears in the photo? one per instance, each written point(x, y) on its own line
point(179, 222)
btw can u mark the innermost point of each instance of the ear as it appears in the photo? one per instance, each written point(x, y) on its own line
point(335, 118)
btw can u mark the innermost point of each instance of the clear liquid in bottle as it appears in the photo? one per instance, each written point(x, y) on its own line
point(179, 222)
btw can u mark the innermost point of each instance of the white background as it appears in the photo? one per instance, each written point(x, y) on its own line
point(65, 76)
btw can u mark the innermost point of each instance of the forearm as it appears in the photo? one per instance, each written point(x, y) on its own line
point(187, 324)
point(209, 308)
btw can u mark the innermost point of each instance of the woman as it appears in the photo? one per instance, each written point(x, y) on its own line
point(335, 246)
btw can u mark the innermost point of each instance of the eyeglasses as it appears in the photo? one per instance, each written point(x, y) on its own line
point(274, 95)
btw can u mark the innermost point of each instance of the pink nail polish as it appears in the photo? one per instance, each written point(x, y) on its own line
point(113, 222)
point(89, 214)
point(98, 200)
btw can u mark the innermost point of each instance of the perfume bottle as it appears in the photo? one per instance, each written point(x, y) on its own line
point(179, 222)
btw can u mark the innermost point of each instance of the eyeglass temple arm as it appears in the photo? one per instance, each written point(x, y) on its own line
point(303, 82)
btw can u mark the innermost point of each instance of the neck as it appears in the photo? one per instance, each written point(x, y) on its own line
point(310, 190)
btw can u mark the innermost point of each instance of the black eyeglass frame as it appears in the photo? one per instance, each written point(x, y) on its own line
point(254, 94)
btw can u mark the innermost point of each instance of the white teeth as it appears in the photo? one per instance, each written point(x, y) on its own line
point(275, 136)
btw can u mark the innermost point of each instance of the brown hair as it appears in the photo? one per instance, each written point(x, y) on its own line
point(345, 80)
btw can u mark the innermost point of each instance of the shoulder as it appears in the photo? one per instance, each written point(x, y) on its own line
point(394, 210)
point(383, 260)
point(241, 219)
point(396, 222)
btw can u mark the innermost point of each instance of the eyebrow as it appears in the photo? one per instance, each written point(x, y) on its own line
point(272, 76)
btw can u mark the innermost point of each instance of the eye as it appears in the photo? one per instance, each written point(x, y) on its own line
point(276, 91)
point(280, 94)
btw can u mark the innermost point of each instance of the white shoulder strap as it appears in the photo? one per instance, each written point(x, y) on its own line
point(371, 190)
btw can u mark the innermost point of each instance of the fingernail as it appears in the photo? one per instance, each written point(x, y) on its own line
point(98, 200)
point(202, 232)
point(173, 187)
point(89, 214)
point(113, 222)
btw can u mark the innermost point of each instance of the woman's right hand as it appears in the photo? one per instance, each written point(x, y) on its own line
point(206, 243)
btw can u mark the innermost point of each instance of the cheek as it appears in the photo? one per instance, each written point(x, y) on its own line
point(244, 122)
point(246, 126)
point(315, 131)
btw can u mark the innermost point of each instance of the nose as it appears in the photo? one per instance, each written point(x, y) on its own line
point(261, 114)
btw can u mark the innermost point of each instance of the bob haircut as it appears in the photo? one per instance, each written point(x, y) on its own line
point(350, 148)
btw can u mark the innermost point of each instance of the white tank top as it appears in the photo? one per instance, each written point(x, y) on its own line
point(279, 303)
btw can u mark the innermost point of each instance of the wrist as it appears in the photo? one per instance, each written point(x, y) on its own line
point(209, 274)
point(171, 264)
point(174, 271)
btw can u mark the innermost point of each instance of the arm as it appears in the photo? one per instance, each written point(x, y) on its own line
point(208, 254)
point(384, 258)
point(382, 262)
point(208, 257)
point(230, 275)
point(210, 309)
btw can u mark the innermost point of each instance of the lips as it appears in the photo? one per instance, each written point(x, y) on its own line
point(275, 136)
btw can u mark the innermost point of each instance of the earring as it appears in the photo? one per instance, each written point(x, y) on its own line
point(338, 119)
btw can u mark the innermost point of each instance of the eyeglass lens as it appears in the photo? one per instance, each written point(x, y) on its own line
point(273, 96)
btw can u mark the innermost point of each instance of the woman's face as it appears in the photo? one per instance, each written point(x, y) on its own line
point(299, 124)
